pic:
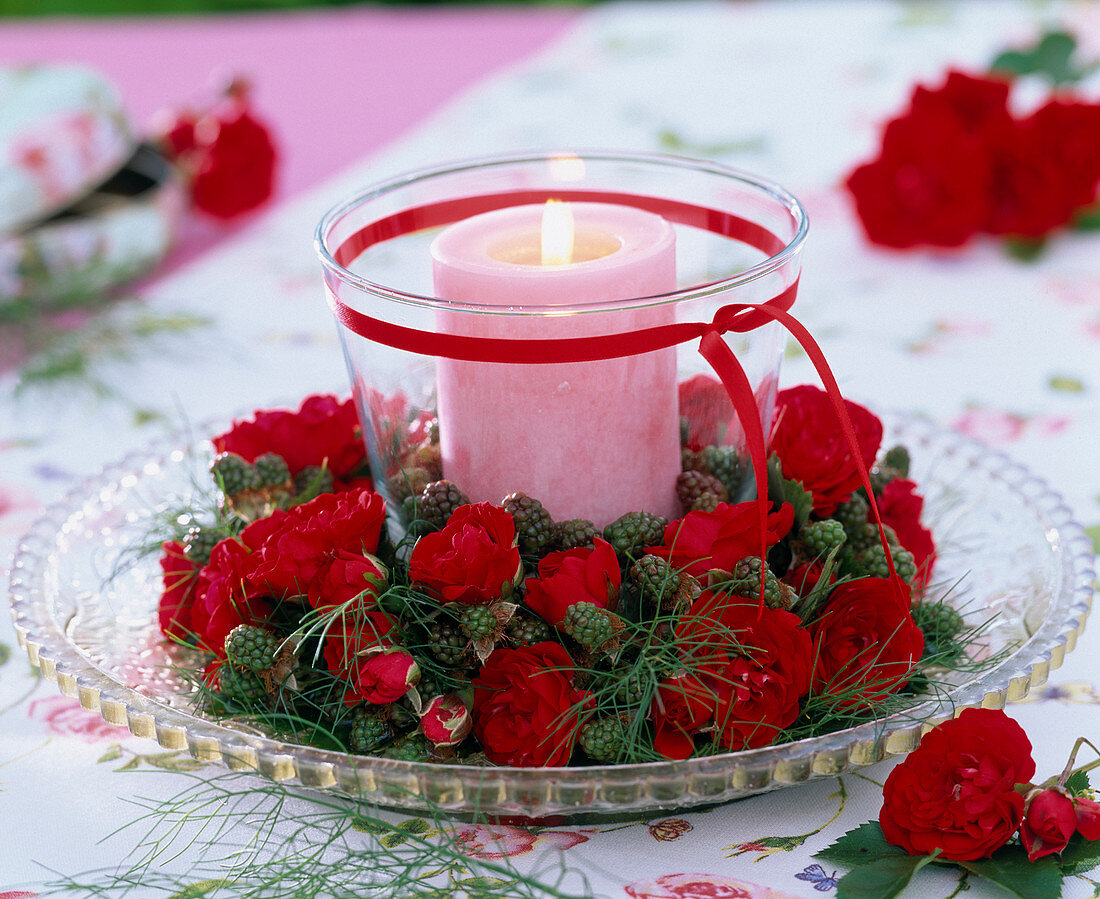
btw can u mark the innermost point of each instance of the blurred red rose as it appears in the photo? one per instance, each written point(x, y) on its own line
point(957, 791)
point(813, 449)
point(232, 162)
point(708, 410)
point(180, 578)
point(701, 541)
point(865, 641)
point(324, 431)
point(1049, 821)
point(296, 549)
point(527, 711)
point(472, 560)
point(572, 576)
point(1088, 817)
point(900, 506)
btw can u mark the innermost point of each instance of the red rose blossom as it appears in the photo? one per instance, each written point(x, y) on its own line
point(900, 506)
point(473, 560)
point(701, 541)
point(297, 549)
point(572, 576)
point(865, 641)
point(324, 431)
point(180, 578)
point(1049, 821)
point(682, 705)
point(527, 711)
point(813, 449)
point(233, 161)
point(758, 665)
point(226, 595)
point(957, 791)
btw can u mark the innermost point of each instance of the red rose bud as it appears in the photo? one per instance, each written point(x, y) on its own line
point(681, 707)
point(384, 677)
point(575, 575)
point(445, 720)
point(473, 560)
point(1088, 818)
point(1049, 822)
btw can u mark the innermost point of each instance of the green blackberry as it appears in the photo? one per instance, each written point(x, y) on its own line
point(476, 622)
point(414, 748)
point(311, 482)
point(251, 647)
point(588, 624)
point(634, 531)
point(603, 739)
point(872, 562)
point(746, 582)
point(272, 470)
point(233, 475)
point(433, 432)
point(534, 526)
point(631, 691)
point(438, 501)
point(657, 581)
point(861, 536)
point(706, 502)
point(941, 625)
point(242, 686)
point(401, 716)
point(724, 462)
point(576, 533)
point(447, 643)
point(430, 458)
point(852, 513)
point(524, 629)
point(897, 458)
point(822, 537)
point(690, 460)
point(408, 482)
point(198, 543)
point(691, 485)
point(369, 731)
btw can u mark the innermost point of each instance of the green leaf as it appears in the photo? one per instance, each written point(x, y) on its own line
point(1093, 533)
point(1078, 783)
point(199, 888)
point(130, 764)
point(393, 839)
point(482, 883)
point(1080, 855)
point(1024, 249)
point(1066, 384)
point(416, 826)
point(369, 825)
point(857, 847)
point(882, 879)
point(5, 653)
point(1009, 868)
point(112, 753)
point(1087, 219)
point(1051, 57)
point(782, 490)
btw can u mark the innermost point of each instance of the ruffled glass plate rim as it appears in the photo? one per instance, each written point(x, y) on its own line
point(534, 792)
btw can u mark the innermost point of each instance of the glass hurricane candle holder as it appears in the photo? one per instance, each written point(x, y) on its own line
point(494, 346)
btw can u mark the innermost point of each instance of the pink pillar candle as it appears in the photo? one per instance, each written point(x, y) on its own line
point(589, 440)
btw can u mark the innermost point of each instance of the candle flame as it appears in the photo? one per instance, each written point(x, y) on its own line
point(557, 233)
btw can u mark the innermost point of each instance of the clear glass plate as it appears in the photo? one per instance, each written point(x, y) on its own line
point(85, 609)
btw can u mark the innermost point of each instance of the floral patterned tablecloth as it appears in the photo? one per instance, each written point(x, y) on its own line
point(1005, 351)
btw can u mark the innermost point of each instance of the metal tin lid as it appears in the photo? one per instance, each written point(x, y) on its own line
point(62, 132)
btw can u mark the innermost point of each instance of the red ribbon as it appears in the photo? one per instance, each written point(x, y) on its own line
point(735, 317)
